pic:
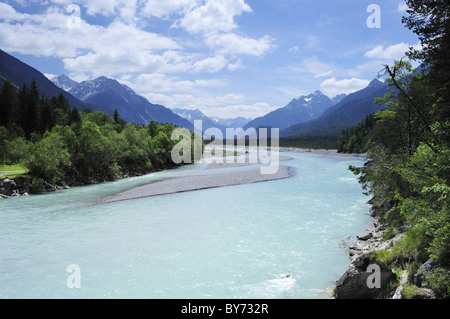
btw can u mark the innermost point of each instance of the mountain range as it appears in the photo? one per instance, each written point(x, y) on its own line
point(310, 115)
point(19, 73)
point(212, 122)
point(112, 95)
point(350, 111)
point(299, 110)
point(101, 94)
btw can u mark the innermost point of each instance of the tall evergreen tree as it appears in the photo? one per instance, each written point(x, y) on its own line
point(8, 103)
point(75, 116)
point(116, 116)
point(31, 110)
point(430, 20)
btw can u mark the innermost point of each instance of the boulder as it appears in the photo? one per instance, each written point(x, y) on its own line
point(49, 187)
point(354, 283)
point(421, 275)
point(64, 184)
point(8, 184)
point(365, 236)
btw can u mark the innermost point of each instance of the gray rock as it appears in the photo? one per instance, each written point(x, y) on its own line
point(25, 188)
point(421, 275)
point(354, 284)
point(64, 184)
point(49, 187)
point(8, 184)
point(365, 236)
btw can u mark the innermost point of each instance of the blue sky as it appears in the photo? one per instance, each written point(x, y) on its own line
point(227, 58)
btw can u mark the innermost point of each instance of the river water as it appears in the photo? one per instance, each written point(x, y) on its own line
point(277, 239)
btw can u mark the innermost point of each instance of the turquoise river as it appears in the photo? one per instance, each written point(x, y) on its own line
point(277, 239)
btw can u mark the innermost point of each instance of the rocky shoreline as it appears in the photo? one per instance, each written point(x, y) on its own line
point(14, 187)
point(355, 282)
point(23, 186)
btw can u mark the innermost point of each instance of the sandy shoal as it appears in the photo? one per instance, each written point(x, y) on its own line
point(198, 182)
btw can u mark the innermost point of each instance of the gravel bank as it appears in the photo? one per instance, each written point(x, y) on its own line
point(198, 182)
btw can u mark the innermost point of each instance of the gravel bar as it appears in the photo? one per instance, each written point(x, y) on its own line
point(198, 182)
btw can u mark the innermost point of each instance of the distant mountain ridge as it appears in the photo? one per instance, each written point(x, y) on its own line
point(211, 122)
point(195, 115)
point(236, 122)
point(64, 82)
point(111, 95)
point(102, 94)
point(346, 114)
point(19, 73)
point(312, 115)
point(299, 110)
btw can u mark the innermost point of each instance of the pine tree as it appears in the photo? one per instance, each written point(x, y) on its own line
point(31, 110)
point(430, 20)
point(75, 116)
point(116, 116)
point(8, 103)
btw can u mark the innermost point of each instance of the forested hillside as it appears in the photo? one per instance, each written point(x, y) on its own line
point(55, 142)
point(408, 144)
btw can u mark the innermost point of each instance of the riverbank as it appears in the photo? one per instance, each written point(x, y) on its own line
point(373, 273)
point(26, 185)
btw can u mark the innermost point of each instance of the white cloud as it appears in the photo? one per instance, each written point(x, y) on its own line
point(190, 101)
point(392, 52)
point(313, 66)
point(211, 64)
point(49, 35)
point(122, 8)
point(160, 83)
point(333, 87)
point(213, 16)
point(226, 106)
point(122, 46)
point(294, 49)
point(235, 66)
point(322, 75)
point(234, 44)
point(215, 21)
point(166, 8)
point(253, 110)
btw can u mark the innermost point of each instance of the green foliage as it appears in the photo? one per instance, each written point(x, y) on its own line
point(96, 154)
point(15, 150)
point(409, 147)
point(49, 158)
point(57, 142)
point(37, 185)
point(355, 140)
point(439, 281)
point(312, 142)
point(134, 149)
